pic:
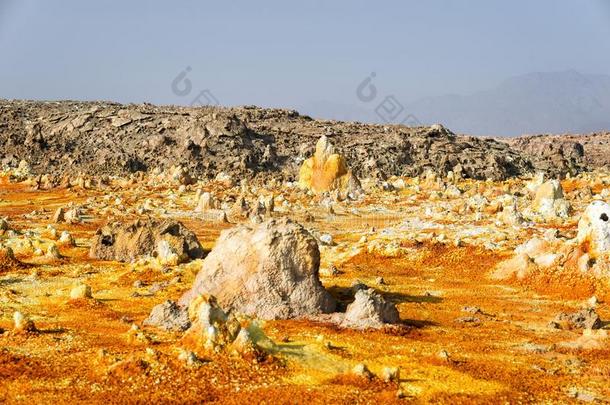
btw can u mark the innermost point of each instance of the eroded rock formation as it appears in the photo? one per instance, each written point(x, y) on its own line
point(549, 201)
point(327, 170)
point(167, 240)
point(269, 271)
point(594, 229)
point(247, 142)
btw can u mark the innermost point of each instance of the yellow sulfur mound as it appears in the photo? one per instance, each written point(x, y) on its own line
point(327, 171)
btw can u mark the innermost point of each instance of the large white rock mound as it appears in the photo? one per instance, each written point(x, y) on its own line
point(269, 271)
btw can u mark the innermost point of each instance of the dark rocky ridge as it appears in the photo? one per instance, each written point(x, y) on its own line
point(246, 142)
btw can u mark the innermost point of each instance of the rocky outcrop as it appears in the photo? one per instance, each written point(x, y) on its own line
point(167, 240)
point(549, 201)
point(369, 310)
point(569, 153)
point(169, 316)
point(269, 271)
point(208, 209)
point(509, 214)
point(206, 202)
point(583, 319)
point(216, 330)
point(588, 252)
point(327, 170)
point(555, 156)
point(248, 142)
point(594, 229)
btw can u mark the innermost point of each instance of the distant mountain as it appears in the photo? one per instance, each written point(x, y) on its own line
point(535, 103)
point(557, 102)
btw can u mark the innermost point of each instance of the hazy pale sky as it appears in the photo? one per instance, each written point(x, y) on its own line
point(290, 53)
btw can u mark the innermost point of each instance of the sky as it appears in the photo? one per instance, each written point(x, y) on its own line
point(289, 53)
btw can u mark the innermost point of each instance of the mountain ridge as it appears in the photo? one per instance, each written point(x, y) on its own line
point(533, 103)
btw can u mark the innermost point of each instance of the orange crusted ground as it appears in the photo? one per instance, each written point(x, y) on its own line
point(501, 353)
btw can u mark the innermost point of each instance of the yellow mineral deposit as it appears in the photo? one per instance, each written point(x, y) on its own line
point(326, 170)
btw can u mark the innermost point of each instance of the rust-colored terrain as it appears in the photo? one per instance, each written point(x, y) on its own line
point(453, 269)
point(463, 336)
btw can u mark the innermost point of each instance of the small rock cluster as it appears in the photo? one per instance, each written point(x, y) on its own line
point(587, 252)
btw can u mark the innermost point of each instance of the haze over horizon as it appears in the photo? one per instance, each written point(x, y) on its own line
point(431, 58)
